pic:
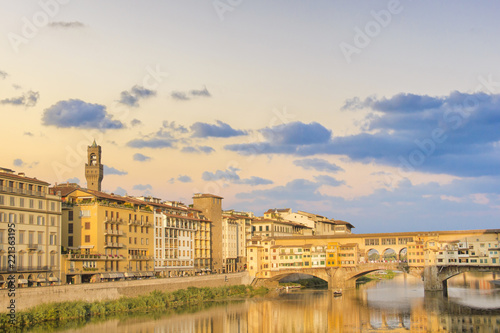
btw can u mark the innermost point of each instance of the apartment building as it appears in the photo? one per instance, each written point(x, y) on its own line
point(30, 230)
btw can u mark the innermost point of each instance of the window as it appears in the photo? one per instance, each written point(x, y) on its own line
point(85, 213)
point(40, 238)
point(21, 237)
point(87, 225)
point(87, 238)
point(70, 241)
point(1, 199)
point(21, 202)
point(32, 203)
point(40, 220)
point(12, 201)
point(53, 206)
point(70, 215)
point(52, 221)
point(40, 204)
point(70, 228)
point(52, 239)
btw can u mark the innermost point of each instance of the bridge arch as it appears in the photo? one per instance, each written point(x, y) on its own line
point(403, 254)
point(389, 254)
point(372, 255)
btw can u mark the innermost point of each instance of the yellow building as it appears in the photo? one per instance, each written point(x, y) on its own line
point(30, 224)
point(332, 254)
point(106, 237)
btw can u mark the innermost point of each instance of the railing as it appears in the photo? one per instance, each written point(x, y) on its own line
point(113, 220)
point(114, 232)
point(138, 257)
point(111, 244)
point(21, 191)
point(134, 222)
point(26, 269)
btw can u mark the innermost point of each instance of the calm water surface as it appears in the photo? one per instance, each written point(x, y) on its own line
point(398, 305)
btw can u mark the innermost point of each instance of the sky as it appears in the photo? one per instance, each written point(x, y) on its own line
point(385, 114)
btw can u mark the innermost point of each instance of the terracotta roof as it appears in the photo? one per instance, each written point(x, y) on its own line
point(65, 190)
point(18, 177)
point(272, 210)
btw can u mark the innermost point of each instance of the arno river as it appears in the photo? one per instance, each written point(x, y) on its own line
point(398, 305)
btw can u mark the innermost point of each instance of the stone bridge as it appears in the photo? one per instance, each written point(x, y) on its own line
point(337, 277)
point(436, 277)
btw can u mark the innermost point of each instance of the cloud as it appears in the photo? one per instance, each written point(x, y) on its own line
point(113, 171)
point(151, 143)
point(79, 114)
point(135, 122)
point(220, 130)
point(132, 97)
point(141, 187)
point(66, 25)
point(120, 191)
point(74, 180)
point(19, 162)
point(183, 96)
point(141, 158)
point(172, 126)
point(3, 74)
point(203, 92)
point(179, 96)
point(317, 164)
point(231, 176)
point(184, 179)
point(327, 180)
point(455, 134)
point(198, 149)
point(400, 103)
point(29, 99)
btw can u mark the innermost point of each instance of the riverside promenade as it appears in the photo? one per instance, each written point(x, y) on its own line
point(26, 298)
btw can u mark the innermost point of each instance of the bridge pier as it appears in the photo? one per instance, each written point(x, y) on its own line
point(431, 279)
point(339, 280)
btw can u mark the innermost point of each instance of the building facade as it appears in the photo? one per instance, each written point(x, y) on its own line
point(30, 231)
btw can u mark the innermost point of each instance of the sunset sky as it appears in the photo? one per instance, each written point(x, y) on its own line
point(385, 114)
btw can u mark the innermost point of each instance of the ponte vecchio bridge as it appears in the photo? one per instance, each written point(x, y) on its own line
point(341, 259)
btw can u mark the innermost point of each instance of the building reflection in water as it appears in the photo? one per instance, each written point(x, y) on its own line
point(390, 306)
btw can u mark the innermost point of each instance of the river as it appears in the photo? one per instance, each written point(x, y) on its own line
point(396, 305)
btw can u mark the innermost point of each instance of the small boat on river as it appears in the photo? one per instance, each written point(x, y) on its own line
point(337, 293)
point(496, 283)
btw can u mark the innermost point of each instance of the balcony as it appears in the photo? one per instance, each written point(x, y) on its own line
point(138, 257)
point(26, 269)
point(34, 247)
point(111, 244)
point(114, 232)
point(113, 220)
point(134, 222)
point(21, 191)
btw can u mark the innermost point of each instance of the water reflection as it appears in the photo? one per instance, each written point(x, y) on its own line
point(398, 305)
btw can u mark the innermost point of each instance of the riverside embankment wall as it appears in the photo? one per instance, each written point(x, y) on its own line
point(26, 298)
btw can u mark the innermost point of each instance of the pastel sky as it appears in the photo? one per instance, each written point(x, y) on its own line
point(385, 114)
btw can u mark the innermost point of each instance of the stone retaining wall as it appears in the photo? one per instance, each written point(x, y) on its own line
point(28, 297)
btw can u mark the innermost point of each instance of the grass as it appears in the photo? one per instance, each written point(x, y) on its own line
point(156, 300)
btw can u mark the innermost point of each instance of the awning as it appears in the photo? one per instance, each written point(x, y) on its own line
point(86, 247)
point(22, 281)
point(127, 274)
point(120, 275)
point(113, 275)
point(41, 280)
point(104, 276)
point(53, 279)
point(148, 274)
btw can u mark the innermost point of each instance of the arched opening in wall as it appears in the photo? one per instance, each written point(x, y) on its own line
point(3, 284)
point(373, 256)
point(389, 255)
point(403, 255)
point(474, 282)
point(31, 280)
point(304, 280)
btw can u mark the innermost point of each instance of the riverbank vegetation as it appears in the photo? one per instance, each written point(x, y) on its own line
point(156, 300)
point(379, 275)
